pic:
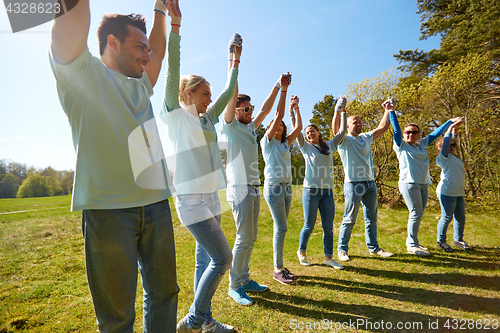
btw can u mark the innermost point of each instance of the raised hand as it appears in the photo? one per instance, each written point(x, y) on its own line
point(161, 6)
point(174, 11)
point(457, 121)
point(294, 102)
point(236, 40)
point(389, 104)
point(341, 103)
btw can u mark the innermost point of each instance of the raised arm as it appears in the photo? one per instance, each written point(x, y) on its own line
point(231, 106)
point(384, 123)
point(267, 106)
point(294, 104)
point(339, 107)
point(339, 136)
point(297, 128)
point(450, 133)
point(70, 32)
point(441, 129)
point(171, 96)
point(398, 135)
point(280, 111)
point(157, 42)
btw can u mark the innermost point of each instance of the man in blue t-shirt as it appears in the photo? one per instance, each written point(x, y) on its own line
point(121, 178)
point(359, 184)
point(243, 180)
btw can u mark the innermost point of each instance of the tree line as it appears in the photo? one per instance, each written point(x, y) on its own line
point(19, 180)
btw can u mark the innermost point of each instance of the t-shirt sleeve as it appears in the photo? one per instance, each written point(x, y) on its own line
point(147, 83)
point(65, 74)
point(369, 137)
point(331, 145)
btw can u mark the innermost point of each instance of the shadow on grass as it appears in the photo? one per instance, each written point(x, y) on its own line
point(354, 314)
point(450, 300)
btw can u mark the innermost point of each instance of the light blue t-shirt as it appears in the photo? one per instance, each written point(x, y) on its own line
point(452, 181)
point(319, 167)
point(119, 157)
point(356, 155)
point(242, 153)
point(413, 162)
point(277, 157)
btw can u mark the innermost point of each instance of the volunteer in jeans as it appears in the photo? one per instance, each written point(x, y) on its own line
point(414, 178)
point(278, 178)
point(451, 190)
point(359, 184)
point(243, 194)
point(126, 220)
point(318, 182)
point(190, 117)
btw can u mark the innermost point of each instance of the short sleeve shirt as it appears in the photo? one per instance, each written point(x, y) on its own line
point(277, 157)
point(319, 167)
point(356, 155)
point(452, 181)
point(413, 162)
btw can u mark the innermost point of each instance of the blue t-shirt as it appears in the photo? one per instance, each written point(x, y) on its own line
point(277, 157)
point(413, 162)
point(240, 141)
point(319, 167)
point(119, 157)
point(452, 181)
point(356, 155)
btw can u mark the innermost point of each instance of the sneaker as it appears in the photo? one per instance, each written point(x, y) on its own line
point(445, 247)
point(423, 248)
point(381, 253)
point(303, 259)
point(333, 263)
point(343, 256)
point(283, 277)
point(462, 245)
point(182, 328)
point(290, 274)
point(417, 250)
point(240, 296)
point(254, 286)
point(216, 327)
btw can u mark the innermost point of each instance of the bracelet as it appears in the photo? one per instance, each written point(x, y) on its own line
point(283, 90)
point(236, 61)
point(175, 24)
point(159, 11)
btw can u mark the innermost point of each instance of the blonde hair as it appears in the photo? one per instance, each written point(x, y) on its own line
point(190, 82)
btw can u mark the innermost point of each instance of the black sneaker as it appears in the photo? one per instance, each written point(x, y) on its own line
point(445, 247)
point(283, 276)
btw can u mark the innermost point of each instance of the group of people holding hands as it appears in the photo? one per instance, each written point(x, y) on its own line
point(126, 220)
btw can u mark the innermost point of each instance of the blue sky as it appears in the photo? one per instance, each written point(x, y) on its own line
point(325, 44)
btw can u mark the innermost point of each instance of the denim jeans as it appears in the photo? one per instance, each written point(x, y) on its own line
point(312, 200)
point(354, 194)
point(279, 200)
point(415, 196)
point(451, 207)
point(246, 218)
point(117, 243)
point(213, 254)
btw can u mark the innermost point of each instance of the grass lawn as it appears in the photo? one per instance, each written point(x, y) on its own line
point(43, 285)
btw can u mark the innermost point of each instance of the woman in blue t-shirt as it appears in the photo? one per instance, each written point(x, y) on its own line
point(451, 190)
point(278, 178)
point(414, 177)
point(318, 182)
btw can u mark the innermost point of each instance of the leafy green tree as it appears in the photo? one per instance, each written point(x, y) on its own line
point(34, 186)
point(66, 181)
point(9, 185)
point(323, 112)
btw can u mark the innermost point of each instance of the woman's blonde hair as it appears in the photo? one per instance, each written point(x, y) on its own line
point(190, 82)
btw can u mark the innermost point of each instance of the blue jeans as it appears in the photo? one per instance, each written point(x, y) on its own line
point(354, 194)
point(246, 218)
point(213, 254)
point(279, 200)
point(117, 243)
point(415, 196)
point(312, 200)
point(451, 207)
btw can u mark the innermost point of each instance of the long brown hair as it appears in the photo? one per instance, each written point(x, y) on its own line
point(322, 144)
point(283, 135)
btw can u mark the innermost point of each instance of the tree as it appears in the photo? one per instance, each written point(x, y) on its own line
point(34, 186)
point(66, 181)
point(323, 114)
point(9, 185)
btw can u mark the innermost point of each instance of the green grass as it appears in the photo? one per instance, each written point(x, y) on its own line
point(43, 286)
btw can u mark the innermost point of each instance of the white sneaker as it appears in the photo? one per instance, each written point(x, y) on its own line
point(343, 256)
point(416, 250)
point(462, 245)
point(333, 263)
point(381, 253)
point(216, 327)
point(303, 259)
point(423, 248)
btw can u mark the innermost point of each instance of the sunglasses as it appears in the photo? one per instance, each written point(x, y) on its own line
point(247, 108)
point(411, 132)
point(453, 144)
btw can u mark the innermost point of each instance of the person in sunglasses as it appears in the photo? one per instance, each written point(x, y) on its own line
point(414, 177)
point(318, 181)
point(359, 182)
point(190, 117)
point(278, 178)
point(243, 194)
point(451, 190)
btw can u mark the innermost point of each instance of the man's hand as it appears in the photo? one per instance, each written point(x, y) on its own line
point(236, 40)
point(341, 103)
point(161, 6)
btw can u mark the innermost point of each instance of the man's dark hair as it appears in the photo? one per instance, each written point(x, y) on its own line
point(116, 25)
point(241, 99)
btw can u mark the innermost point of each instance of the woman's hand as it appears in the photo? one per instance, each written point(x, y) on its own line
point(174, 12)
point(294, 102)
